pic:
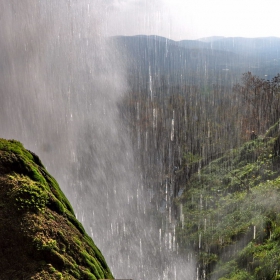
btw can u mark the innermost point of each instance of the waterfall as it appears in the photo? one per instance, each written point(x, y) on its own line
point(60, 86)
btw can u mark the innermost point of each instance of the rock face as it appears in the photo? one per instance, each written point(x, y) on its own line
point(40, 238)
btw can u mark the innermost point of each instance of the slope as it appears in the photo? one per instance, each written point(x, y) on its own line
point(231, 213)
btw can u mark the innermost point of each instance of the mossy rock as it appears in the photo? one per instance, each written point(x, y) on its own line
point(40, 238)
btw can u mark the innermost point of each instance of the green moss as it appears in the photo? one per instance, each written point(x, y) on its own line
point(15, 147)
point(45, 230)
point(58, 275)
point(56, 191)
point(89, 276)
point(94, 266)
point(75, 273)
point(56, 205)
point(76, 223)
point(29, 164)
point(52, 269)
point(27, 194)
point(45, 245)
point(77, 240)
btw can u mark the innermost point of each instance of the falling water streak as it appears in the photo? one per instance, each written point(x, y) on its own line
point(66, 81)
point(150, 83)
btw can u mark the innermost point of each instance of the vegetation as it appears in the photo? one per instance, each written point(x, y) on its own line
point(260, 102)
point(199, 139)
point(192, 138)
point(40, 236)
point(232, 213)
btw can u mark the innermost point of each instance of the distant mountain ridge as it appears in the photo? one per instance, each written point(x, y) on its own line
point(152, 57)
point(235, 44)
point(210, 39)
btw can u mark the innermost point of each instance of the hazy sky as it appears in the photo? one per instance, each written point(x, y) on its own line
point(188, 19)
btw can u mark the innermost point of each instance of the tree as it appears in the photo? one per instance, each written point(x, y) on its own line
point(259, 102)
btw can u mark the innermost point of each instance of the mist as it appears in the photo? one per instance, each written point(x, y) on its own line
point(181, 20)
point(60, 86)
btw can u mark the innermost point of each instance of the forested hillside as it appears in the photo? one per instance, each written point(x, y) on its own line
point(210, 158)
point(181, 129)
point(230, 213)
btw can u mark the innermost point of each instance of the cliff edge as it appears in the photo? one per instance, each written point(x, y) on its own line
point(40, 238)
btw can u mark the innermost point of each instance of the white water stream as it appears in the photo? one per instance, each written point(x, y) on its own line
point(60, 84)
